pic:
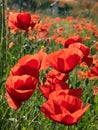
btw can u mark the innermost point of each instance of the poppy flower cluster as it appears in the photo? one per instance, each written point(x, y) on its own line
point(63, 104)
point(40, 28)
point(23, 79)
point(91, 74)
point(64, 108)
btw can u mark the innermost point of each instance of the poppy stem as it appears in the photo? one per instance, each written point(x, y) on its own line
point(67, 128)
point(20, 3)
point(20, 43)
point(76, 75)
point(3, 41)
point(73, 127)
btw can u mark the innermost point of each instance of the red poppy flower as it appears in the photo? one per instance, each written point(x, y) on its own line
point(88, 60)
point(19, 89)
point(60, 30)
point(48, 88)
point(71, 40)
point(74, 92)
point(27, 68)
point(55, 80)
point(28, 64)
point(66, 110)
point(85, 50)
point(55, 76)
point(20, 21)
point(93, 72)
point(65, 60)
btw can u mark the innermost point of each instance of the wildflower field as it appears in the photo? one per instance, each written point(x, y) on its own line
point(48, 71)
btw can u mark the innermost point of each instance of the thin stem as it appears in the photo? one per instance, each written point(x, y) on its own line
point(67, 128)
point(3, 41)
point(20, 3)
point(20, 38)
point(20, 43)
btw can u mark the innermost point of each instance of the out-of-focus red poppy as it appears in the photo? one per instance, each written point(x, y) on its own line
point(91, 27)
point(42, 31)
point(82, 75)
point(35, 17)
point(20, 21)
point(87, 38)
point(28, 64)
point(71, 40)
point(60, 30)
point(93, 72)
point(11, 44)
point(95, 91)
point(74, 92)
point(19, 89)
point(95, 58)
point(47, 88)
point(78, 28)
point(96, 33)
point(59, 40)
point(96, 45)
point(65, 60)
point(66, 110)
